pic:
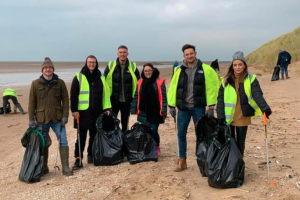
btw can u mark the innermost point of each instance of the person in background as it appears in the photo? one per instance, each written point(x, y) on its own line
point(240, 98)
point(10, 94)
point(194, 86)
point(121, 77)
point(150, 100)
point(49, 106)
point(215, 65)
point(284, 59)
point(90, 96)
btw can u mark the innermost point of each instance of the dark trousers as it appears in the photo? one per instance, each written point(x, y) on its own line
point(239, 134)
point(6, 98)
point(155, 134)
point(124, 107)
point(83, 135)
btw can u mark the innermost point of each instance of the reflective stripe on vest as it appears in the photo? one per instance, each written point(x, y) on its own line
point(84, 92)
point(230, 98)
point(9, 92)
point(112, 65)
point(159, 82)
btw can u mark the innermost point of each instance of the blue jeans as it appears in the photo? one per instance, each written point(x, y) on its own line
point(56, 128)
point(155, 134)
point(183, 120)
point(284, 70)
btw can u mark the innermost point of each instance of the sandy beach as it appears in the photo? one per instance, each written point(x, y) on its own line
point(157, 180)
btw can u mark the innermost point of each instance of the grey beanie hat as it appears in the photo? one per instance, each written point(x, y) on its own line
point(47, 63)
point(239, 55)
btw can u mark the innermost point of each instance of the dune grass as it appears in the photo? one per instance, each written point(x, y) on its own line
point(266, 55)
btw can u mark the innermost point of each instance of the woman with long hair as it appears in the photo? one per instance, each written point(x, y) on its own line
point(240, 98)
point(150, 100)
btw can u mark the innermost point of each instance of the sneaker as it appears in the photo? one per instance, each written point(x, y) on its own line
point(158, 151)
point(90, 160)
point(77, 164)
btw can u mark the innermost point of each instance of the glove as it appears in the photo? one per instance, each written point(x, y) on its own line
point(32, 124)
point(268, 112)
point(64, 121)
point(221, 122)
point(173, 112)
point(164, 116)
point(210, 113)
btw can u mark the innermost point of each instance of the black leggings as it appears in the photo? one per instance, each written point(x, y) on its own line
point(239, 134)
point(124, 107)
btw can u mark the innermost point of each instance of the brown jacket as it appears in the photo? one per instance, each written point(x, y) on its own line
point(48, 102)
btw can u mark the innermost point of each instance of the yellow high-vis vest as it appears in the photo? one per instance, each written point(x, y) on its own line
point(132, 67)
point(230, 98)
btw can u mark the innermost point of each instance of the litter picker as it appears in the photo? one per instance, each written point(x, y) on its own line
point(267, 155)
point(78, 138)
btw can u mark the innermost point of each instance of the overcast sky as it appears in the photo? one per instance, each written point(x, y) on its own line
point(153, 30)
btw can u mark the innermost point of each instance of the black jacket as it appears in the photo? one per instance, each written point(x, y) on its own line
point(117, 81)
point(284, 59)
point(198, 89)
point(247, 110)
point(88, 117)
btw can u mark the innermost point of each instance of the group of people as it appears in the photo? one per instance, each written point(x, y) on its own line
point(194, 90)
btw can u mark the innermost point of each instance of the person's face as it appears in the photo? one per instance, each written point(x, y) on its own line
point(148, 71)
point(189, 55)
point(122, 54)
point(48, 71)
point(91, 64)
point(238, 66)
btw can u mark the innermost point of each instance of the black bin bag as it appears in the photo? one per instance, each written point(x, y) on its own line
point(224, 166)
point(35, 140)
point(108, 142)
point(205, 128)
point(275, 76)
point(139, 145)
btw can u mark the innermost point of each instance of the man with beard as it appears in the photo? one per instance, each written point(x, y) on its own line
point(194, 86)
point(90, 97)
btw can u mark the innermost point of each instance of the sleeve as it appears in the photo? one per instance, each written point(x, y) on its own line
point(220, 104)
point(133, 108)
point(32, 103)
point(257, 95)
point(65, 100)
point(74, 93)
point(106, 71)
point(106, 103)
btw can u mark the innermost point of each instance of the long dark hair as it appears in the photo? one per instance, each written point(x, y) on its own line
point(230, 73)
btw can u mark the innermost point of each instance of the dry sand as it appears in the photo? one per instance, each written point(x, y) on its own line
point(156, 180)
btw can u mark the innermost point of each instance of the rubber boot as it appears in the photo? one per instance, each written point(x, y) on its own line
point(45, 164)
point(20, 108)
point(180, 165)
point(64, 157)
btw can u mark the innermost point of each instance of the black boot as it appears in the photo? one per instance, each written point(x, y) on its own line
point(77, 165)
point(64, 157)
point(45, 164)
point(20, 108)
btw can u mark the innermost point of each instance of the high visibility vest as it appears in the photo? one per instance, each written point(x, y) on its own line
point(230, 98)
point(84, 93)
point(159, 82)
point(9, 92)
point(211, 85)
point(112, 65)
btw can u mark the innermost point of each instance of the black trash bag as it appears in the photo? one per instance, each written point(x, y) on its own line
point(275, 76)
point(35, 141)
point(139, 145)
point(225, 166)
point(108, 142)
point(205, 128)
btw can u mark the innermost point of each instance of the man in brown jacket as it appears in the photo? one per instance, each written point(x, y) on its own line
point(49, 106)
